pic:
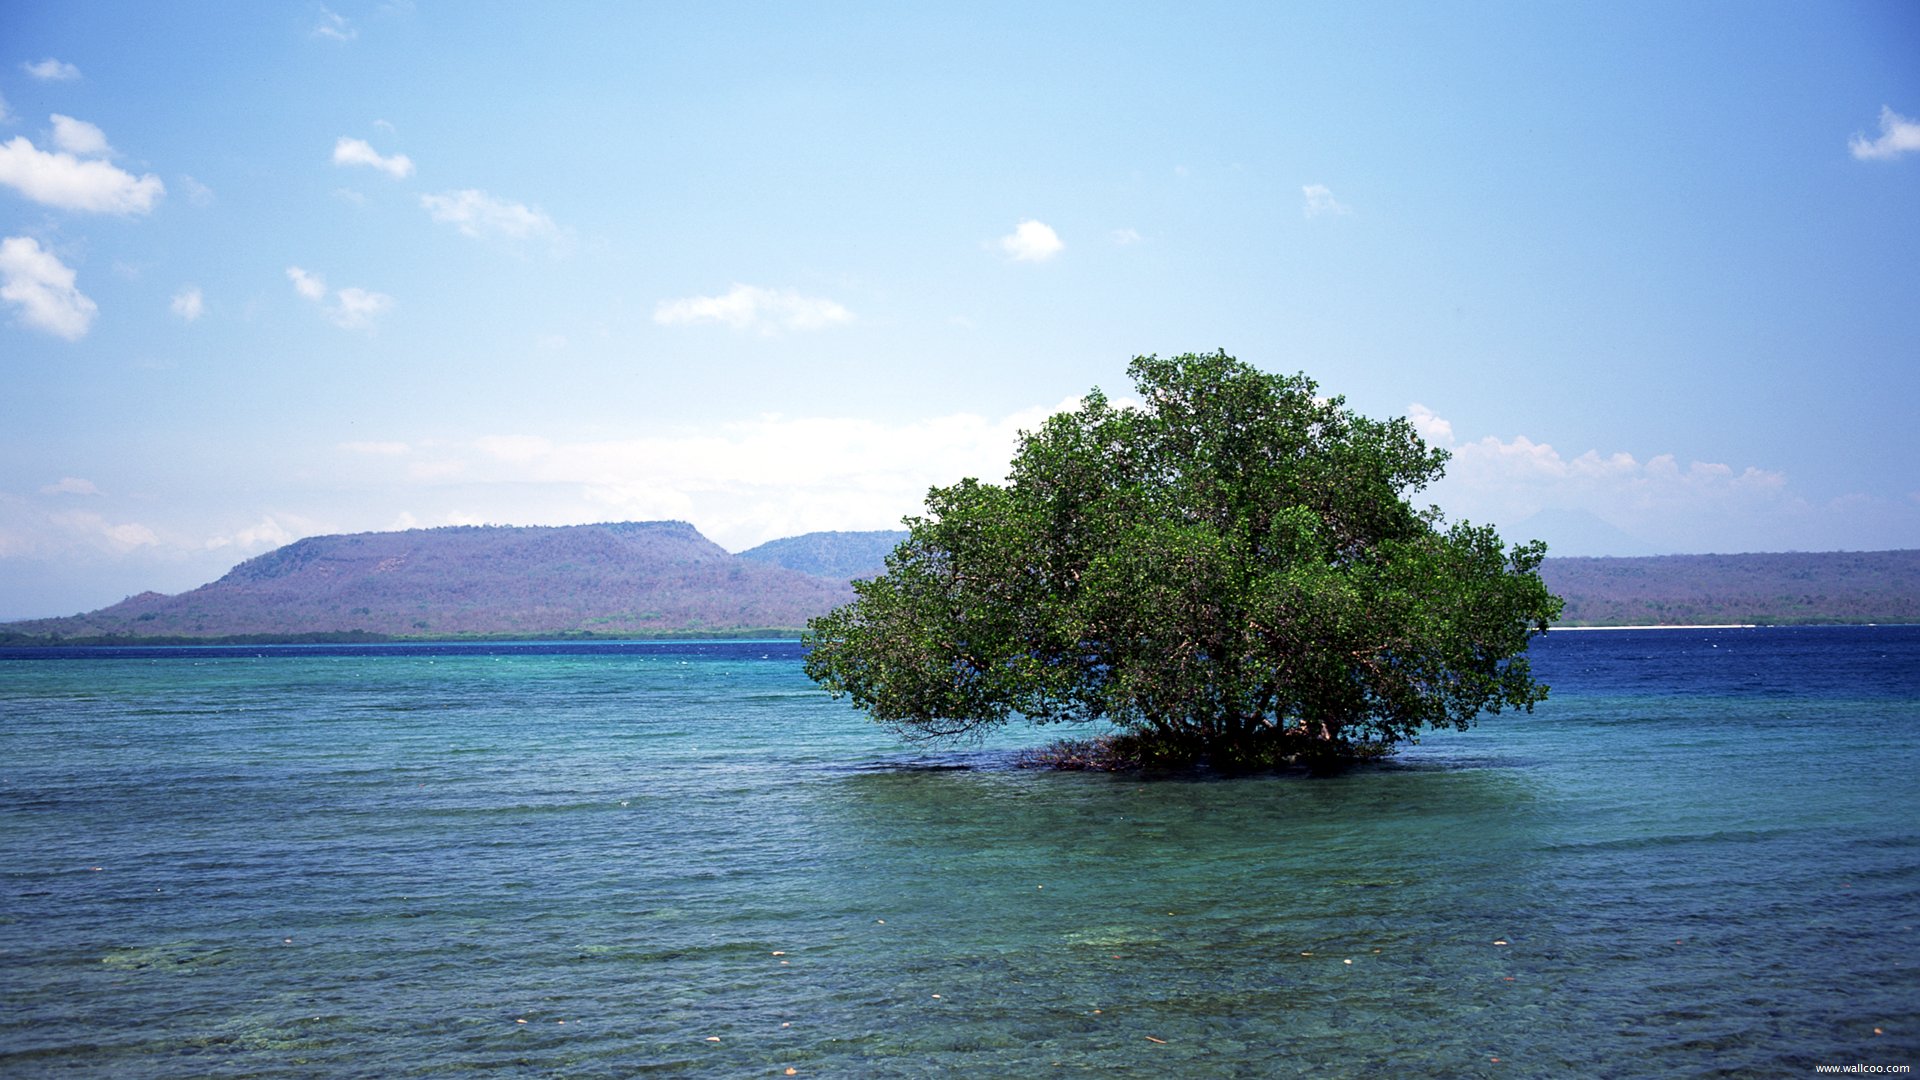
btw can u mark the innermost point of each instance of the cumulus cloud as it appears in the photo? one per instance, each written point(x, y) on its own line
point(188, 303)
point(475, 213)
point(65, 180)
point(1699, 505)
point(267, 533)
point(351, 308)
point(334, 27)
point(347, 151)
point(1320, 201)
point(1431, 428)
point(1898, 135)
point(51, 70)
point(747, 307)
point(1031, 241)
point(41, 289)
point(79, 138)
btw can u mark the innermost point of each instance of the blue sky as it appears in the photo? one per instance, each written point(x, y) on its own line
point(1651, 271)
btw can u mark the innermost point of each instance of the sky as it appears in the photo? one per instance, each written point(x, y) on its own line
point(1650, 271)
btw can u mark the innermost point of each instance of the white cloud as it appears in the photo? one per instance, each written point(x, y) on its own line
point(188, 303)
point(6, 117)
point(352, 308)
point(1431, 428)
point(742, 483)
point(51, 70)
point(1124, 237)
point(42, 288)
point(71, 485)
point(478, 214)
point(122, 537)
point(79, 138)
point(1031, 241)
point(751, 307)
point(1320, 201)
point(347, 151)
point(268, 533)
point(334, 27)
point(355, 308)
point(64, 180)
point(1701, 505)
point(311, 286)
point(1898, 135)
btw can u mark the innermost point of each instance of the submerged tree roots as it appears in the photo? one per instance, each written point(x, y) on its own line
point(1133, 753)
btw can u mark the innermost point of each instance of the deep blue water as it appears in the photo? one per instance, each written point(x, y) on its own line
point(1700, 857)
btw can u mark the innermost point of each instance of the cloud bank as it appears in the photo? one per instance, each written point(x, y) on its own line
point(1658, 500)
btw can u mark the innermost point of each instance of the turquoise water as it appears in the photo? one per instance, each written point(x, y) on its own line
point(1700, 857)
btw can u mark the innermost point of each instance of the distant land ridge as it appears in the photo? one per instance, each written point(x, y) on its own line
point(663, 578)
point(623, 579)
point(841, 555)
point(1785, 588)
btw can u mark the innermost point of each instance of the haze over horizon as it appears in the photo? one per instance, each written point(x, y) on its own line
point(271, 271)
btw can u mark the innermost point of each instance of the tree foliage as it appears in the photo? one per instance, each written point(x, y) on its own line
point(1230, 572)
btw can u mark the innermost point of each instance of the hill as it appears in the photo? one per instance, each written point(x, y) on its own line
point(631, 578)
point(664, 578)
point(842, 556)
point(1783, 588)
point(1644, 590)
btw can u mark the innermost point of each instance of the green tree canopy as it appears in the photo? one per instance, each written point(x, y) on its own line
point(1230, 572)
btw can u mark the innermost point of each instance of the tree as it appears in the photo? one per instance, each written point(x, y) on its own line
point(1230, 573)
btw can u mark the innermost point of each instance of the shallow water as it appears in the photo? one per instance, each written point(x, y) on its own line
point(1701, 856)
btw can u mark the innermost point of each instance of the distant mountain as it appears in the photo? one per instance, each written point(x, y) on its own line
point(1790, 587)
point(632, 578)
point(838, 555)
point(639, 579)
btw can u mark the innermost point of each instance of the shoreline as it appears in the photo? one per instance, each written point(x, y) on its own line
point(1686, 626)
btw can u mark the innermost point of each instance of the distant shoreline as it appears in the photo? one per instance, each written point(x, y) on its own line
point(1696, 626)
point(659, 637)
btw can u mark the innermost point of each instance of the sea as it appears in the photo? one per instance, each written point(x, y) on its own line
point(1700, 857)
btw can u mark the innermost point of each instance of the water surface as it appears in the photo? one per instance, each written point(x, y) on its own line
point(1699, 857)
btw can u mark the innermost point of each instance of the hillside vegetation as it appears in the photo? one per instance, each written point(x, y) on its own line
point(1785, 588)
point(658, 578)
point(840, 555)
point(633, 578)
